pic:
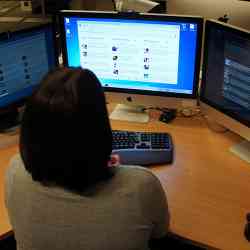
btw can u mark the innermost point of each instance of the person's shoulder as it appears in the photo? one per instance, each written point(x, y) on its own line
point(16, 160)
point(11, 173)
point(138, 173)
point(132, 169)
point(15, 165)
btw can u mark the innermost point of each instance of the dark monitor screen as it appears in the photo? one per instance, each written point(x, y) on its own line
point(26, 56)
point(226, 73)
point(144, 54)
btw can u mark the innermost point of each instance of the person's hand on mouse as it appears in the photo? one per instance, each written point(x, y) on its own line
point(114, 161)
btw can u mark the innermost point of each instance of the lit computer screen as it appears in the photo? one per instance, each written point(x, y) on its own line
point(226, 74)
point(145, 54)
point(26, 56)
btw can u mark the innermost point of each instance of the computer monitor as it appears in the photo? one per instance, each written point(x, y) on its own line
point(26, 56)
point(225, 89)
point(143, 59)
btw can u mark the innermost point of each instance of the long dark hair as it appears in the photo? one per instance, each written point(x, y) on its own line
point(66, 136)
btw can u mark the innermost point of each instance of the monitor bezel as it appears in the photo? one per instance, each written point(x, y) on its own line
point(235, 30)
point(139, 16)
point(8, 35)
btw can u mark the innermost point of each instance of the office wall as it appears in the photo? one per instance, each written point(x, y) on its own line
point(238, 11)
point(92, 4)
point(96, 4)
point(105, 5)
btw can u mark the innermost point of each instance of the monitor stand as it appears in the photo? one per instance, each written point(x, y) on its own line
point(214, 126)
point(130, 113)
point(242, 150)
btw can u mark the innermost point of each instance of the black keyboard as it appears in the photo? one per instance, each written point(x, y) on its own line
point(142, 148)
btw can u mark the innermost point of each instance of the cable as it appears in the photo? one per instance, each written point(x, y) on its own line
point(189, 112)
point(167, 115)
point(114, 3)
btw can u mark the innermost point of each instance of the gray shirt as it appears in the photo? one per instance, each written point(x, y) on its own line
point(120, 214)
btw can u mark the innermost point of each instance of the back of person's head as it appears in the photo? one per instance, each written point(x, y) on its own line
point(66, 136)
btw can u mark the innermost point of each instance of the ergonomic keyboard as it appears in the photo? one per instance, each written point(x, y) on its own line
point(142, 148)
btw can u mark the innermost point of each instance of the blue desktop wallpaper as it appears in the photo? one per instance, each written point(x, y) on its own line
point(187, 55)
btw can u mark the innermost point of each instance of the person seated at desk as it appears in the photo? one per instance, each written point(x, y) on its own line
point(62, 192)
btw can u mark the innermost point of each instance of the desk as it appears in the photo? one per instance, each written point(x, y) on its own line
point(208, 188)
point(5, 155)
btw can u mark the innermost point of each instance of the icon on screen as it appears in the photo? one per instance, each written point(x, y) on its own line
point(184, 26)
point(68, 31)
point(192, 26)
point(67, 20)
